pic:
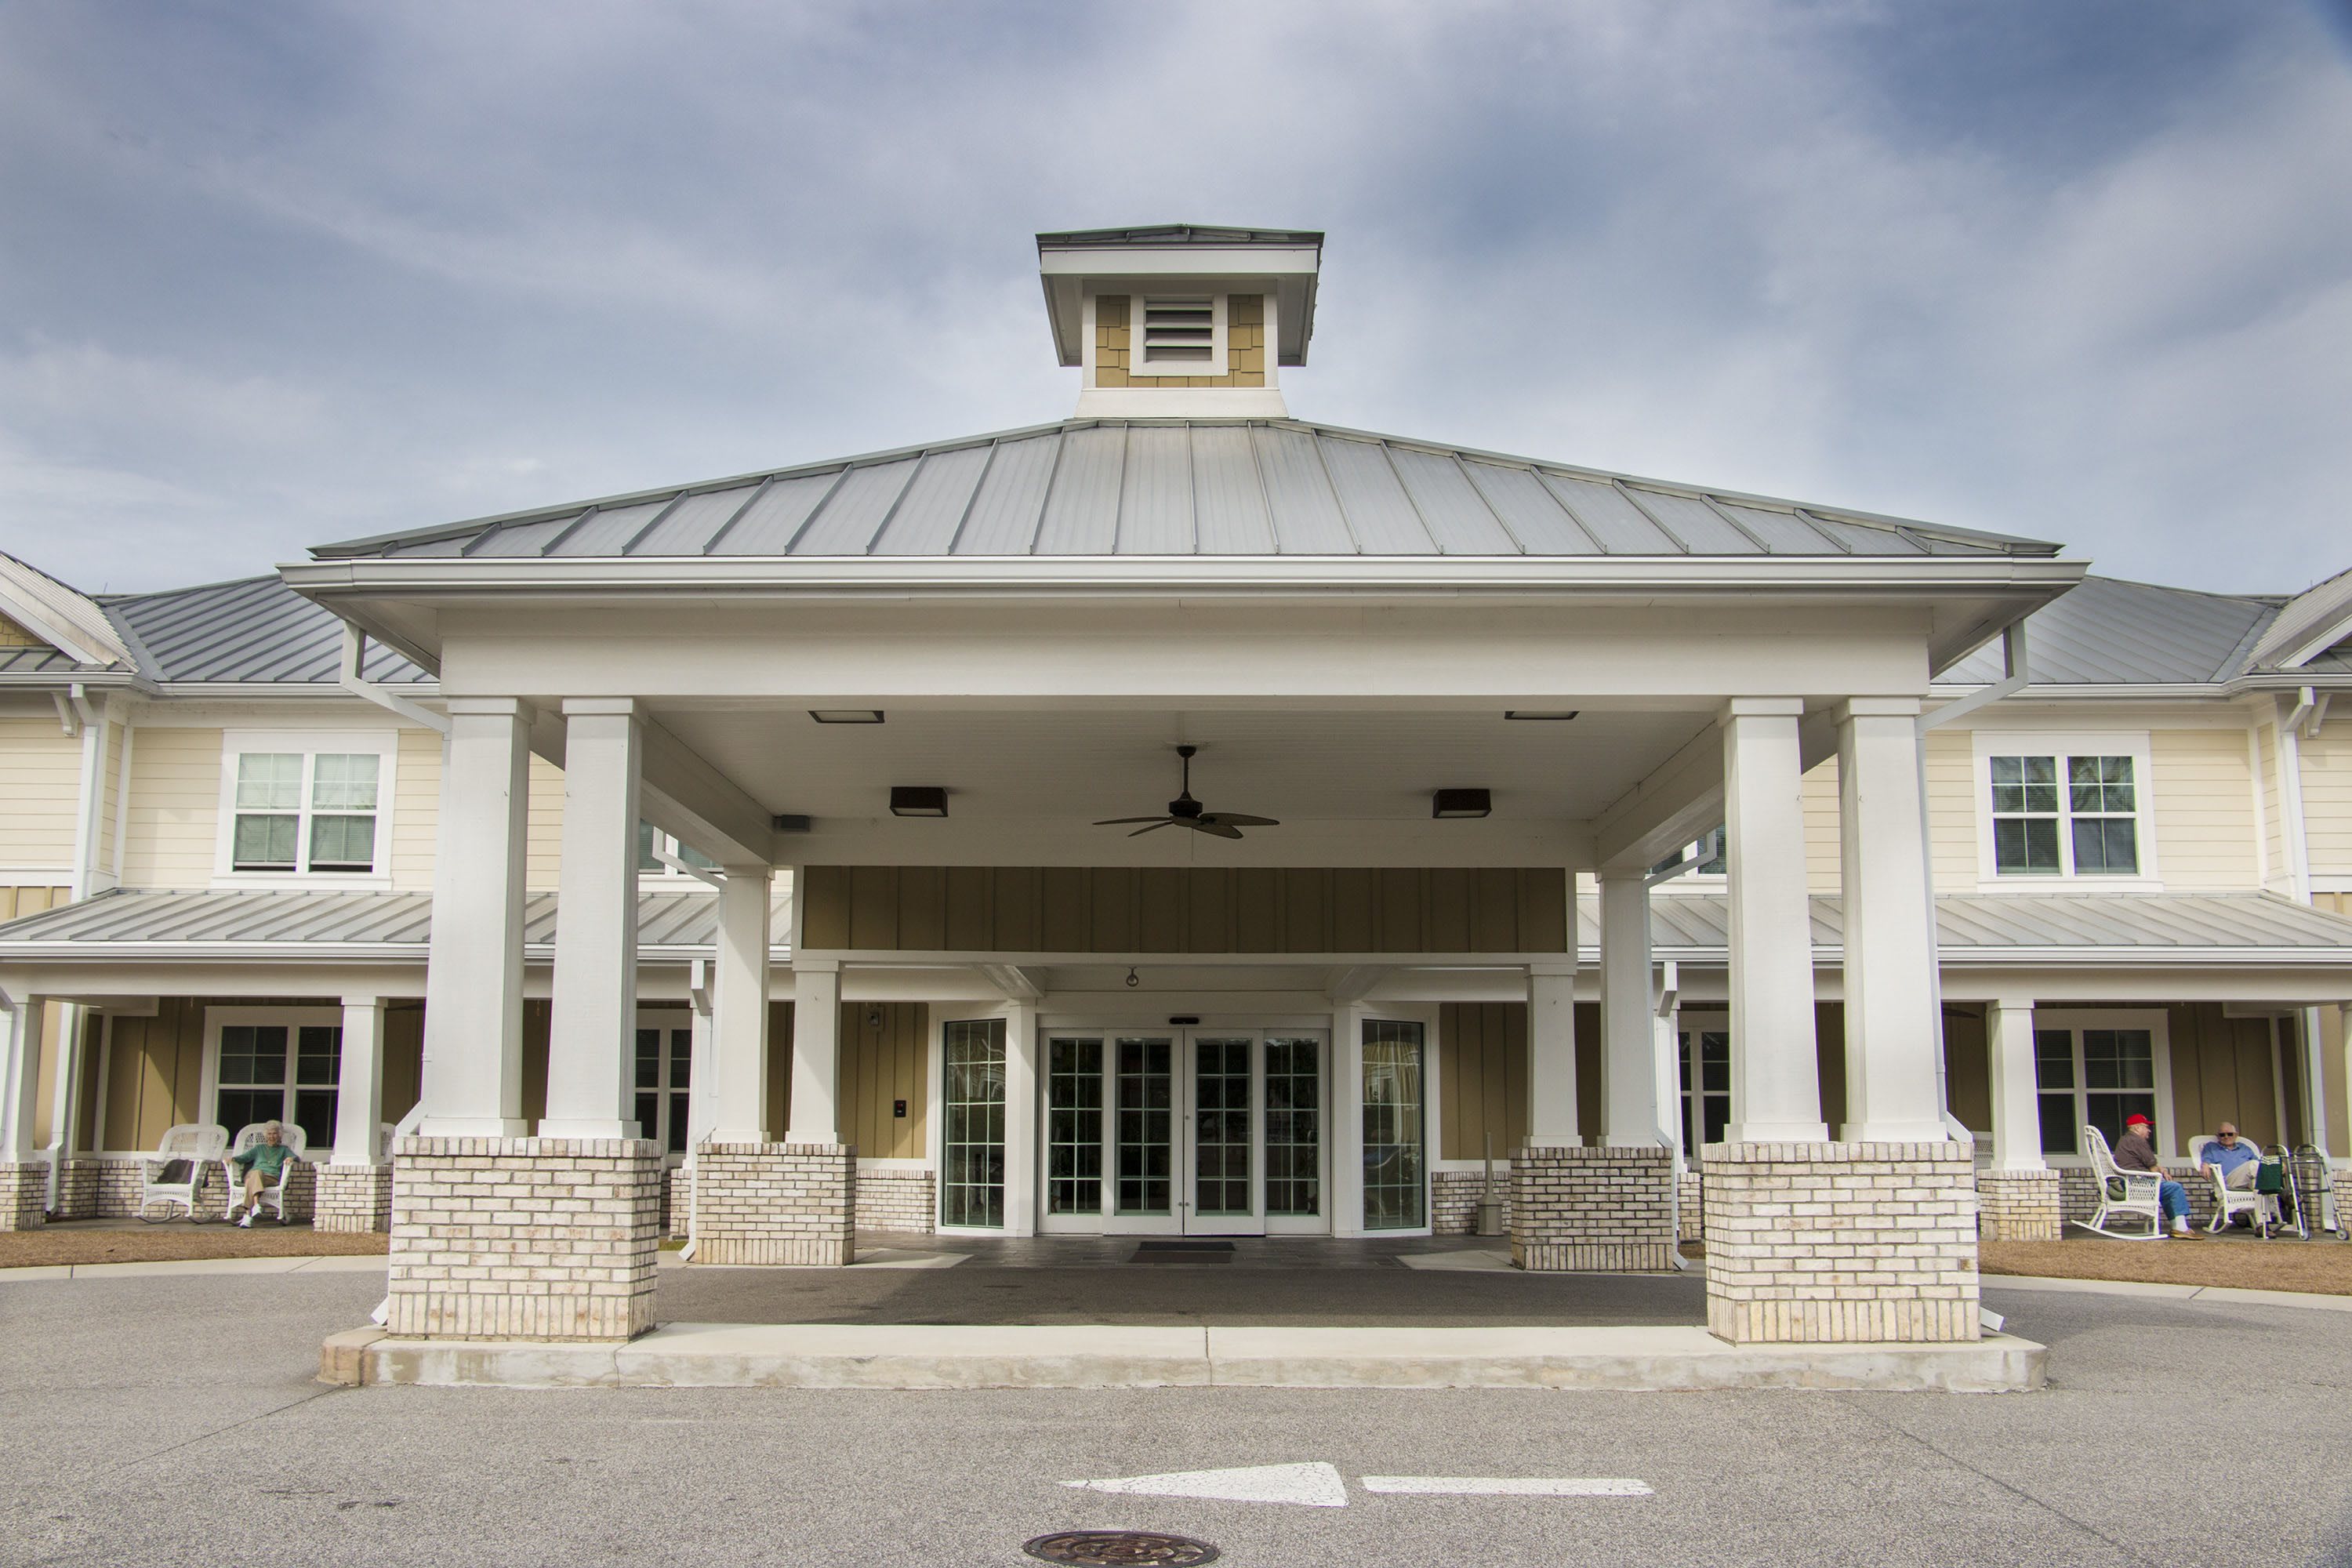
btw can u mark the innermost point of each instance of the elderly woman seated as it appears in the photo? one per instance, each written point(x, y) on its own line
point(262, 1165)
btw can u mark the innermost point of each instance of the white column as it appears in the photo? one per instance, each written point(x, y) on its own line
point(1667, 1056)
point(1630, 1107)
point(20, 1095)
point(1344, 1118)
point(1892, 1095)
point(65, 1086)
point(593, 1025)
point(359, 1083)
point(1776, 1092)
point(2016, 1110)
point(701, 1097)
point(1021, 1118)
point(473, 983)
point(815, 1109)
point(1552, 1054)
point(738, 1019)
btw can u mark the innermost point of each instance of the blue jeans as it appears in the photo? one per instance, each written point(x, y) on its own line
point(2173, 1199)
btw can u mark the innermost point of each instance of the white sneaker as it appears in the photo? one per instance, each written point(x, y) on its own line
point(246, 1222)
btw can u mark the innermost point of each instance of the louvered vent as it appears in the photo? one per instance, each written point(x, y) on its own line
point(1180, 332)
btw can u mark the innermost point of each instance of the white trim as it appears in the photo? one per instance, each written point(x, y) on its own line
point(37, 877)
point(2157, 1021)
point(383, 744)
point(292, 1019)
point(2061, 744)
point(1220, 360)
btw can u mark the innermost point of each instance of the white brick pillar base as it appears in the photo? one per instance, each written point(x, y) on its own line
point(77, 1187)
point(538, 1238)
point(1690, 1202)
point(776, 1203)
point(353, 1197)
point(1592, 1210)
point(1814, 1243)
point(2018, 1205)
point(23, 1195)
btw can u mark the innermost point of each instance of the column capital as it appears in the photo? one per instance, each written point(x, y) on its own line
point(814, 965)
point(1763, 708)
point(1878, 708)
point(591, 707)
point(487, 706)
point(363, 999)
point(1622, 874)
point(1552, 969)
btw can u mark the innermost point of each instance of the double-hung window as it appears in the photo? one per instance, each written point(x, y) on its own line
point(2063, 811)
point(281, 1064)
point(1707, 1085)
point(665, 1058)
point(2097, 1070)
point(304, 806)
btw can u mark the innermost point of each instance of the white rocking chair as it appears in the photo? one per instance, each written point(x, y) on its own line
point(2123, 1192)
point(2229, 1200)
point(174, 1172)
point(273, 1194)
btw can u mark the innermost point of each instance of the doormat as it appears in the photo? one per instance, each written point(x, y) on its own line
point(1144, 1247)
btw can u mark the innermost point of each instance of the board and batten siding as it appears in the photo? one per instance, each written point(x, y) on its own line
point(175, 817)
point(2203, 806)
point(40, 783)
point(1196, 910)
point(886, 1058)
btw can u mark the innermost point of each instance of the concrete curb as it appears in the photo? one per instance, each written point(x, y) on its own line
point(927, 1356)
point(2216, 1295)
point(307, 1263)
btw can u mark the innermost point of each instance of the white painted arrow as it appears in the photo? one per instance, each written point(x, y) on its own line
point(1505, 1486)
point(1315, 1485)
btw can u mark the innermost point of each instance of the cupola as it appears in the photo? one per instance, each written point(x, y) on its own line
point(1180, 320)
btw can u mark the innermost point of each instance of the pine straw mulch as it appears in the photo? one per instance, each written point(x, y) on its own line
point(177, 1242)
point(2318, 1268)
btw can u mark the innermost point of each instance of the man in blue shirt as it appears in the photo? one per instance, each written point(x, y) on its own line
point(2232, 1156)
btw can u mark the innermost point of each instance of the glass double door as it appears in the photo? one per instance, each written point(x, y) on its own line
point(1187, 1131)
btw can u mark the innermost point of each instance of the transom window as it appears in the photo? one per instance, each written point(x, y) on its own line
point(2065, 815)
point(2096, 1075)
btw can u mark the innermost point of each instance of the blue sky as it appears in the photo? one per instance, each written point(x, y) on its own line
point(277, 274)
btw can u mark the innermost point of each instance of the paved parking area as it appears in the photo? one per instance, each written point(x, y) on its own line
point(168, 1420)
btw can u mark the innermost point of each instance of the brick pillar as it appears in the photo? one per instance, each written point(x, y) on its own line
point(2018, 1205)
point(1596, 1210)
point(540, 1239)
point(77, 1187)
point(1690, 1202)
point(1811, 1243)
point(775, 1202)
point(353, 1197)
point(24, 1195)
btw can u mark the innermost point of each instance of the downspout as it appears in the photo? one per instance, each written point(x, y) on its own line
point(697, 993)
point(2298, 870)
point(91, 799)
point(2015, 673)
point(348, 678)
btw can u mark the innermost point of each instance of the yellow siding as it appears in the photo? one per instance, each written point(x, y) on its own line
point(1481, 1065)
point(546, 836)
point(415, 810)
point(2281, 876)
point(2328, 796)
point(885, 1058)
point(14, 635)
point(1246, 346)
point(2204, 808)
point(174, 808)
point(2221, 1072)
point(1952, 808)
point(1824, 871)
point(41, 780)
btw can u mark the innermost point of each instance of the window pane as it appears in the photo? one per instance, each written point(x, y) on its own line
point(238, 1108)
point(254, 1054)
point(341, 843)
point(676, 1142)
point(1294, 1126)
point(319, 1054)
point(263, 844)
point(681, 1058)
point(314, 1113)
point(269, 780)
point(2059, 1134)
point(1394, 1183)
point(2025, 845)
point(648, 1115)
point(2053, 1058)
point(648, 1061)
point(1145, 1086)
point(2106, 844)
point(343, 781)
point(2119, 1059)
point(972, 1177)
point(2108, 1112)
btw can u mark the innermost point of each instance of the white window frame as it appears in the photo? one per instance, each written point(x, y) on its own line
point(673, 1102)
point(2156, 1022)
point(383, 744)
point(2062, 744)
point(292, 1020)
point(1695, 1021)
point(1220, 360)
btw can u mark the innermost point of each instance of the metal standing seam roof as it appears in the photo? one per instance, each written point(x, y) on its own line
point(2107, 631)
point(239, 919)
point(2315, 613)
point(1184, 487)
point(1180, 234)
point(252, 629)
point(61, 611)
point(2137, 928)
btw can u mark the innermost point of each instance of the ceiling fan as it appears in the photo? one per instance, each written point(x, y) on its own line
point(1185, 812)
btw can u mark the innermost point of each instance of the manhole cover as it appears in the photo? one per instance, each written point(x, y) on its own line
point(1119, 1546)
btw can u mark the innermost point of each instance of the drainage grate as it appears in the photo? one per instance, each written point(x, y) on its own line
point(1120, 1547)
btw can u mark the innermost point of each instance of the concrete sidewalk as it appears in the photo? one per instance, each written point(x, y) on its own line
point(968, 1356)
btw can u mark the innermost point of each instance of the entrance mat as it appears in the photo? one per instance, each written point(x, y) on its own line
point(1086, 1356)
point(1186, 1245)
point(1182, 1254)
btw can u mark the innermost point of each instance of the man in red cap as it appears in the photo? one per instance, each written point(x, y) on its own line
point(2136, 1150)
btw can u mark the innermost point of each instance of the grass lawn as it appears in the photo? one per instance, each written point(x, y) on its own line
point(56, 1244)
point(2323, 1268)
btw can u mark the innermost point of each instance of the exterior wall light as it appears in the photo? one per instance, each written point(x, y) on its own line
point(846, 715)
point(1450, 803)
point(918, 800)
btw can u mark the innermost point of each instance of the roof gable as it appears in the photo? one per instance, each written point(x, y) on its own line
point(49, 614)
point(2311, 623)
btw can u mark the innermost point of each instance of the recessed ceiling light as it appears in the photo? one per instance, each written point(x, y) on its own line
point(1549, 715)
point(918, 800)
point(1454, 803)
point(846, 715)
